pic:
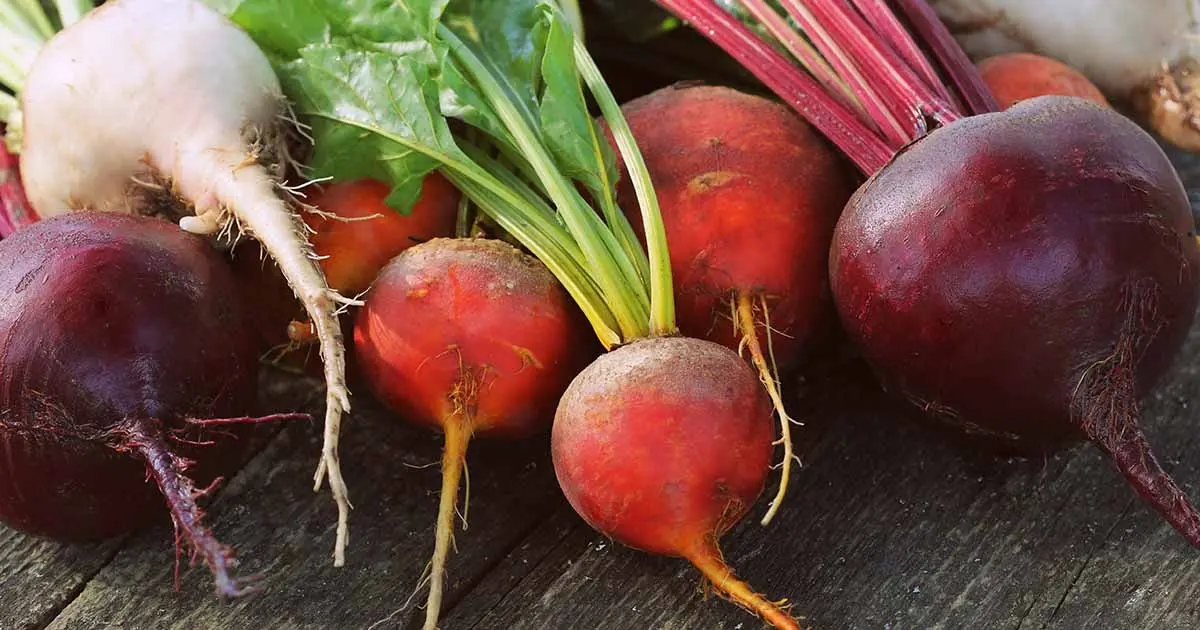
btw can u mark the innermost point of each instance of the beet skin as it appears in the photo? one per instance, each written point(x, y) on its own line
point(468, 336)
point(119, 335)
point(749, 195)
point(1026, 276)
point(663, 445)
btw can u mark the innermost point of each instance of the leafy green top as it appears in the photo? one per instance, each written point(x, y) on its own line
point(382, 82)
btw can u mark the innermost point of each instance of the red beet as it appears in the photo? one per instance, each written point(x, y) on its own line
point(663, 445)
point(469, 336)
point(1026, 276)
point(125, 355)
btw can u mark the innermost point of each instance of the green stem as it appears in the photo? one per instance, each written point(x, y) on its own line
point(17, 52)
point(11, 76)
point(499, 169)
point(611, 268)
point(464, 218)
point(18, 19)
point(70, 11)
point(662, 296)
point(574, 16)
point(35, 17)
point(573, 278)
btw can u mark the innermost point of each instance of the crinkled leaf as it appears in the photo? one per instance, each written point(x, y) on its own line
point(373, 114)
point(282, 27)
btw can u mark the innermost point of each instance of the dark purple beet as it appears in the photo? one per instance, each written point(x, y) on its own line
point(117, 333)
point(1027, 276)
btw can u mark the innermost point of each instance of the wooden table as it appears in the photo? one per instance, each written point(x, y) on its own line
point(887, 527)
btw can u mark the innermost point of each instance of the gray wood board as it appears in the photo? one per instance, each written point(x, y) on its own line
point(887, 526)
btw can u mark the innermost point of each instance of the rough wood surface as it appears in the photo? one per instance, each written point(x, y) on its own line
point(888, 526)
point(284, 531)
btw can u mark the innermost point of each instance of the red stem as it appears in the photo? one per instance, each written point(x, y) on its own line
point(903, 91)
point(879, 111)
point(885, 25)
point(15, 212)
point(209, 422)
point(145, 438)
point(864, 147)
point(809, 58)
point(954, 60)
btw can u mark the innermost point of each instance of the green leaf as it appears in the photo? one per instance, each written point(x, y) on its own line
point(509, 35)
point(373, 114)
point(461, 99)
point(568, 129)
point(283, 27)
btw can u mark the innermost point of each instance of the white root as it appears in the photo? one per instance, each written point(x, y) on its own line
point(248, 192)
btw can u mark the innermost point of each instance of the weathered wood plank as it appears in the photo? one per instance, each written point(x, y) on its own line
point(281, 528)
point(38, 577)
point(891, 527)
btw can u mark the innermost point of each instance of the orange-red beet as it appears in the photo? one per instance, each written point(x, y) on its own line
point(354, 251)
point(663, 445)
point(1014, 77)
point(475, 316)
point(749, 195)
point(357, 249)
point(468, 335)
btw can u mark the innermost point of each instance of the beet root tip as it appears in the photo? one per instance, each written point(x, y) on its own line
point(146, 439)
point(712, 566)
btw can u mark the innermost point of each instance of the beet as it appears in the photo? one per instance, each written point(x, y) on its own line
point(749, 194)
point(120, 336)
point(471, 337)
point(663, 445)
point(1026, 276)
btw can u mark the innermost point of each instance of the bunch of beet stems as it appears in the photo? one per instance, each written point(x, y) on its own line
point(851, 68)
point(887, 84)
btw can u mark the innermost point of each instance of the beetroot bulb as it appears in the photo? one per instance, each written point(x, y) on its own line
point(126, 365)
point(1025, 275)
point(1052, 294)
